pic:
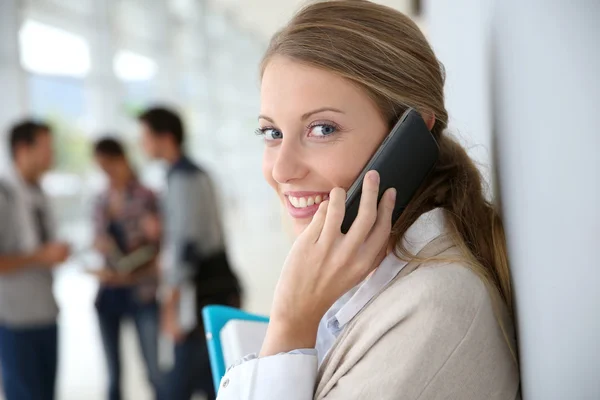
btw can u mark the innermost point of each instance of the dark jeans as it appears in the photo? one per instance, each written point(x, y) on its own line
point(191, 371)
point(28, 358)
point(146, 319)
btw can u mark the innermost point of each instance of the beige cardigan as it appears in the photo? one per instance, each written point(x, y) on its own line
point(432, 334)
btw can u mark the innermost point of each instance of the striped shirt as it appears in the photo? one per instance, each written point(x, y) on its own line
point(138, 202)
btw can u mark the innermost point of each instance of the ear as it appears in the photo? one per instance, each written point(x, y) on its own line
point(429, 119)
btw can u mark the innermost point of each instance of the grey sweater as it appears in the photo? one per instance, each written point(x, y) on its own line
point(26, 297)
point(192, 223)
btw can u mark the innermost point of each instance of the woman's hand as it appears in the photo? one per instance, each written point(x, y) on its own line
point(323, 264)
point(103, 244)
point(169, 318)
point(151, 227)
point(108, 277)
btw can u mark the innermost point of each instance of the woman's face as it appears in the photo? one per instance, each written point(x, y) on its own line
point(319, 129)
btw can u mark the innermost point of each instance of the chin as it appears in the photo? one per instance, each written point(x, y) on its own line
point(299, 225)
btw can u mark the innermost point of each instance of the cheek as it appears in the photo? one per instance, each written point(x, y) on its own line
point(268, 162)
point(45, 155)
point(357, 155)
point(342, 166)
point(147, 145)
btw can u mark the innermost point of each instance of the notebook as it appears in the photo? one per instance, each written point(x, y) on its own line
point(240, 338)
point(231, 334)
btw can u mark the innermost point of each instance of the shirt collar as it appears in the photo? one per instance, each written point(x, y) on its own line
point(27, 192)
point(182, 164)
point(426, 228)
point(133, 184)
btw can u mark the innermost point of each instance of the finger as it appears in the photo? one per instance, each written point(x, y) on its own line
point(179, 335)
point(367, 212)
point(314, 229)
point(335, 215)
point(380, 234)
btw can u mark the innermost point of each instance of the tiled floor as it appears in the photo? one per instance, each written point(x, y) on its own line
point(257, 246)
point(82, 372)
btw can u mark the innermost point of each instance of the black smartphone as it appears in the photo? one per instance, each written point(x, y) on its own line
point(403, 160)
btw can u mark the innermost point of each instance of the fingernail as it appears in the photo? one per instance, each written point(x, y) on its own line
point(374, 176)
point(393, 195)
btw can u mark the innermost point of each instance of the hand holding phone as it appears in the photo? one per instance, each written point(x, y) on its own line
point(323, 264)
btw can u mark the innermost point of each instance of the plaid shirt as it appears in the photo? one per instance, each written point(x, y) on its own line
point(137, 202)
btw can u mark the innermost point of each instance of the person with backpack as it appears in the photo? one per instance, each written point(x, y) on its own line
point(194, 262)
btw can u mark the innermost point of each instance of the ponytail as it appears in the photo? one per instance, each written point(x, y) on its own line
point(456, 186)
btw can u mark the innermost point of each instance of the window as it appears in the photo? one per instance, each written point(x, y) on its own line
point(57, 61)
point(49, 50)
point(130, 66)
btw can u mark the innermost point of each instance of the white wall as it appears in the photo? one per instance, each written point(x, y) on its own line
point(548, 93)
point(458, 31)
point(12, 103)
point(533, 69)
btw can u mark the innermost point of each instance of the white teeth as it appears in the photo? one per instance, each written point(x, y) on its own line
point(294, 201)
point(303, 202)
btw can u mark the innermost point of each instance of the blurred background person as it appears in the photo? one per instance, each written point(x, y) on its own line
point(28, 252)
point(126, 225)
point(193, 250)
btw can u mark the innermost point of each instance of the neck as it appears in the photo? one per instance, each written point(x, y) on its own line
point(172, 155)
point(122, 181)
point(26, 175)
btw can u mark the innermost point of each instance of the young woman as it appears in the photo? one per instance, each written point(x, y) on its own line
point(420, 310)
point(125, 220)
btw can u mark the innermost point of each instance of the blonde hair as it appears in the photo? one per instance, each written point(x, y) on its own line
point(384, 52)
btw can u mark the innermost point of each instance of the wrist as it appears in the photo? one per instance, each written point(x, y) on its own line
point(284, 335)
point(172, 294)
point(170, 298)
point(36, 257)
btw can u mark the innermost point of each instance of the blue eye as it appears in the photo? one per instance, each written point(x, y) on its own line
point(322, 130)
point(270, 133)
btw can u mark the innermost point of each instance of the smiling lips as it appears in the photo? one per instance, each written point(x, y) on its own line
point(304, 204)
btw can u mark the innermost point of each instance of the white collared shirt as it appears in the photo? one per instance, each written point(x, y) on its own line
point(292, 375)
point(427, 227)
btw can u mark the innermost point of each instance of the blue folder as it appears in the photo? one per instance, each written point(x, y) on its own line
point(214, 318)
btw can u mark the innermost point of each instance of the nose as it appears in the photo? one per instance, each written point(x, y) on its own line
point(289, 164)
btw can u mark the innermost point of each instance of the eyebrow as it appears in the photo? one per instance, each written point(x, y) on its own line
point(308, 114)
